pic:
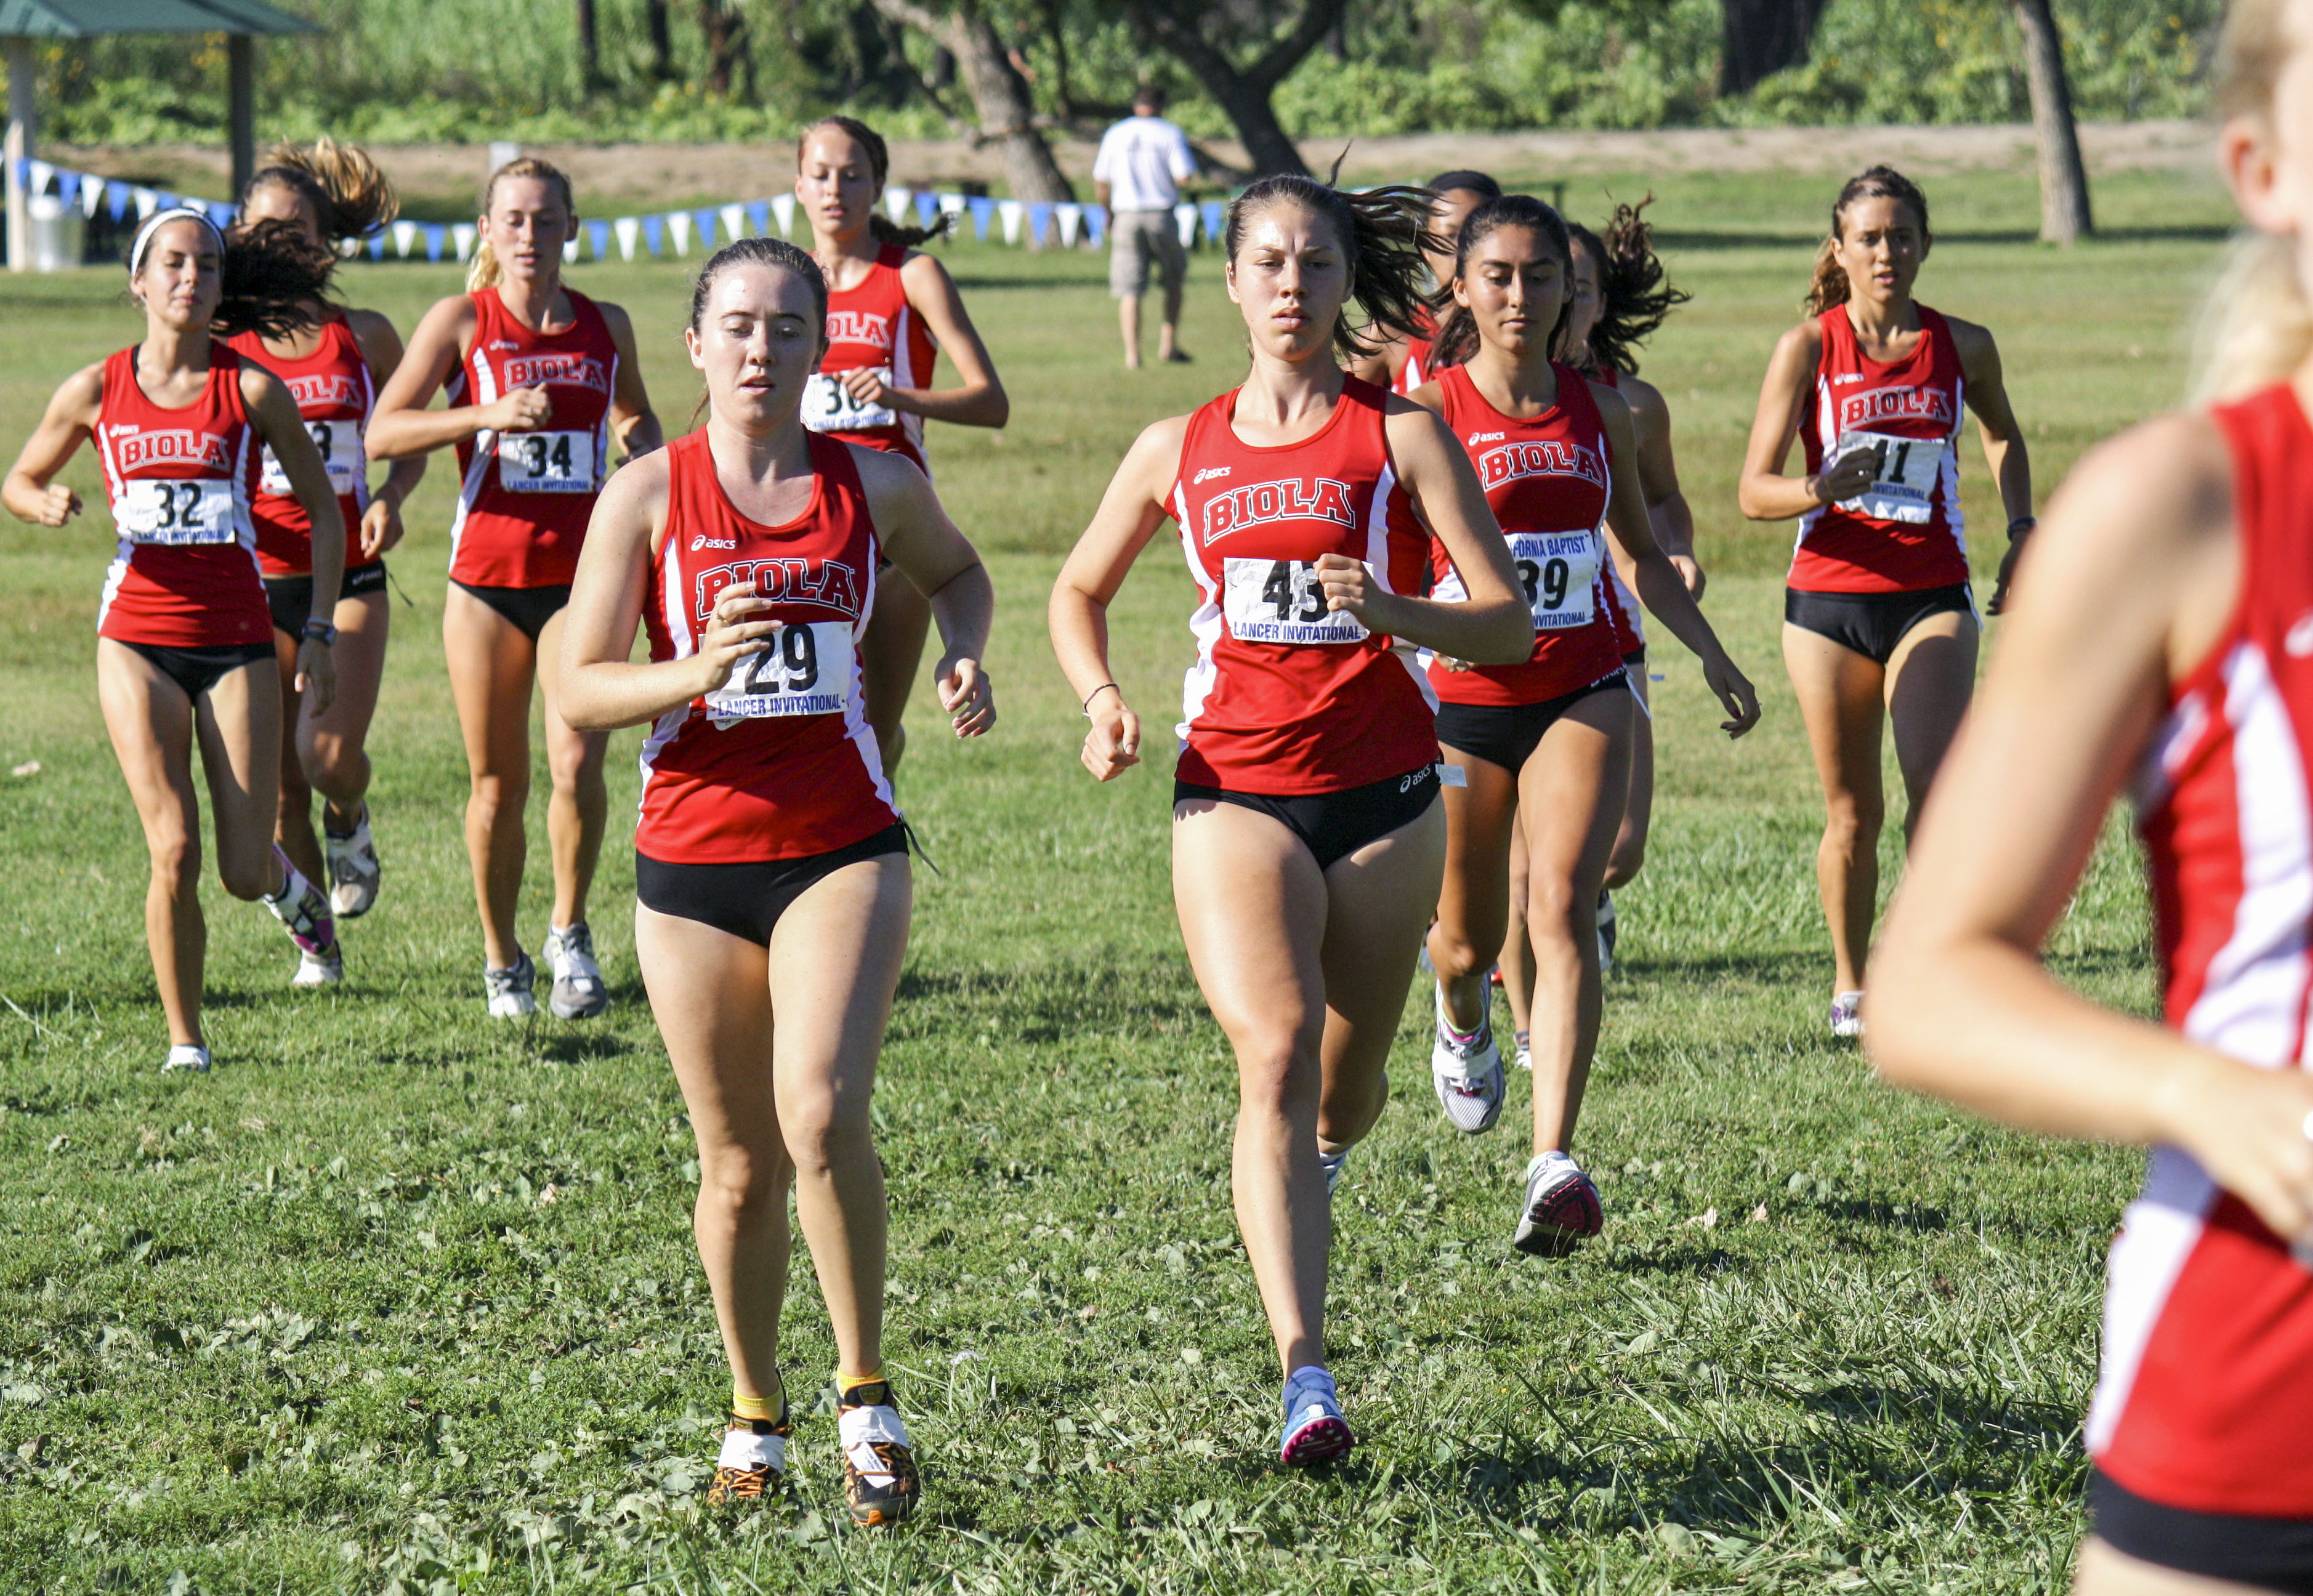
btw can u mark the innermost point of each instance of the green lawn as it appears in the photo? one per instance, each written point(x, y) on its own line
point(399, 1293)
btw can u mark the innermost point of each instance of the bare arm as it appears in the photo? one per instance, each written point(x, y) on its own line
point(30, 492)
point(2140, 568)
point(979, 400)
point(1666, 505)
point(2003, 441)
point(273, 415)
point(381, 347)
point(631, 417)
point(401, 425)
point(601, 689)
point(1491, 627)
point(1764, 493)
point(940, 561)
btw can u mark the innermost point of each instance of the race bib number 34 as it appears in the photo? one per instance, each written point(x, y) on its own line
point(1281, 601)
point(1903, 488)
point(340, 444)
point(546, 462)
point(807, 671)
point(1559, 573)
point(828, 406)
point(176, 513)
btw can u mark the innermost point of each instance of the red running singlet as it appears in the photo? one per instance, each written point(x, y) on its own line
point(1621, 605)
point(1904, 533)
point(780, 763)
point(873, 325)
point(2205, 1401)
point(1286, 698)
point(1547, 480)
point(334, 395)
point(525, 498)
point(184, 574)
point(1417, 353)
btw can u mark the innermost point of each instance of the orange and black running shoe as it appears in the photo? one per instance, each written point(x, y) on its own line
point(753, 1463)
point(879, 1466)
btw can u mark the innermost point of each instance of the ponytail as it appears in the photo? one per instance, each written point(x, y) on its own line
point(483, 271)
point(880, 227)
point(1830, 286)
point(274, 276)
point(1457, 335)
point(1382, 231)
point(1635, 297)
point(350, 197)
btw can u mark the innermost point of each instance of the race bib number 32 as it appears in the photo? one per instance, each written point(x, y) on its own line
point(546, 462)
point(1281, 601)
point(176, 513)
point(1559, 574)
point(340, 444)
point(828, 406)
point(1903, 488)
point(806, 670)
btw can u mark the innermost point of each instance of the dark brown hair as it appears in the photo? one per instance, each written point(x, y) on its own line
point(271, 278)
point(1830, 286)
point(879, 161)
point(1635, 297)
point(1457, 335)
point(350, 197)
point(757, 252)
point(1382, 231)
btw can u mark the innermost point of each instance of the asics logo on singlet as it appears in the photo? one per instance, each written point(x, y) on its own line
point(1297, 498)
point(703, 542)
point(831, 582)
point(859, 327)
point(564, 370)
point(1549, 457)
point(1478, 438)
point(501, 344)
point(1895, 404)
point(1208, 474)
point(329, 388)
point(170, 445)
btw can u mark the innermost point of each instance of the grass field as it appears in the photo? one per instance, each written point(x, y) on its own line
point(402, 1298)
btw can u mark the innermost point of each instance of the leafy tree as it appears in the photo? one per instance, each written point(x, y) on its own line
point(1000, 94)
point(2064, 214)
point(1203, 35)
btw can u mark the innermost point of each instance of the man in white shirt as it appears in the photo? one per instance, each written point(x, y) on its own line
point(1142, 160)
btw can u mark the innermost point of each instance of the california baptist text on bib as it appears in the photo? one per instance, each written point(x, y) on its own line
point(334, 397)
point(524, 498)
point(1286, 698)
point(1904, 533)
point(780, 763)
point(1548, 482)
point(184, 573)
point(873, 325)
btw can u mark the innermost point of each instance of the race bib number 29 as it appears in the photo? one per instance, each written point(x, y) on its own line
point(1281, 601)
point(176, 513)
point(1907, 470)
point(546, 462)
point(806, 670)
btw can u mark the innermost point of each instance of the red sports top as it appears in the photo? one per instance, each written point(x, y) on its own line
point(2205, 1398)
point(184, 574)
point(1904, 533)
point(335, 395)
point(1620, 603)
point(1287, 697)
point(1547, 480)
point(525, 498)
point(873, 325)
point(1417, 353)
point(780, 764)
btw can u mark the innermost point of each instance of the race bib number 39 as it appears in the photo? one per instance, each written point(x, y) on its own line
point(1281, 601)
point(546, 462)
point(176, 513)
point(340, 444)
point(1559, 573)
point(1903, 488)
point(828, 406)
point(807, 671)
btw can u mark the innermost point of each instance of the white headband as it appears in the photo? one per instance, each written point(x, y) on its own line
point(160, 219)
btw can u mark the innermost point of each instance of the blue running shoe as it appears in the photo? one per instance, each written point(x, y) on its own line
point(1314, 1430)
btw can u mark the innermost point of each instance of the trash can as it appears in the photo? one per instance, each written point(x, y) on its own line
point(59, 233)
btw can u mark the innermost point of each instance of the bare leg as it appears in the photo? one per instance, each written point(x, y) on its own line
point(1516, 959)
point(579, 806)
point(890, 655)
point(491, 664)
point(293, 824)
point(151, 722)
point(1839, 694)
point(1931, 680)
point(334, 744)
point(1473, 903)
point(238, 725)
point(1128, 317)
point(1168, 333)
point(1630, 855)
point(1374, 920)
point(2104, 1572)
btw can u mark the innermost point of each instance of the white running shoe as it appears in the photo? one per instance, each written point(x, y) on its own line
point(354, 869)
point(1847, 1014)
point(508, 990)
point(1314, 1430)
point(1562, 1207)
point(1605, 931)
point(1467, 1074)
point(187, 1056)
point(304, 912)
point(319, 969)
point(1523, 1041)
point(1331, 1162)
point(578, 992)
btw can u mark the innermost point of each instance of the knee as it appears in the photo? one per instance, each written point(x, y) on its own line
point(740, 1185)
point(576, 772)
point(1277, 1076)
point(251, 875)
point(176, 855)
point(1555, 909)
point(826, 1130)
point(331, 758)
point(1852, 820)
point(496, 794)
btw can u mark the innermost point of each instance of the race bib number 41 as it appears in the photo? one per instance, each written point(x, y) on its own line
point(1281, 601)
point(828, 406)
point(1559, 572)
point(806, 670)
point(340, 444)
point(546, 462)
point(176, 513)
point(1903, 488)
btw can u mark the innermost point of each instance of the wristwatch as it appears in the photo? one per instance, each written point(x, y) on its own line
point(318, 630)
point(2021, 525)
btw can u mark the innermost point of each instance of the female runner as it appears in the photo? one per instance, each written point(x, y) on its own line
point(1307, 845)
point(2158, 642)
point(890, 310)
point(1878, 621)
point(333, 366)
point(770, 863)
point(1399, 360)
point(184, 649)
point(538, 376)
point(1548, 737)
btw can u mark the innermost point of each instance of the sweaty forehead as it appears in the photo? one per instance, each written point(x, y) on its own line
point(1877, 213)
point(754, 288)
point(525, 194)
point(831, 147)
point(1287, 223)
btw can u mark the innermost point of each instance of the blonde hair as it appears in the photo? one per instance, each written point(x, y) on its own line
point(485, 272)
point(350, 197)
point(2255, 327)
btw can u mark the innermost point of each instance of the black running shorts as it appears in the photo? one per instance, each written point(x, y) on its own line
point(1872, 624)
point(1332, 825)
point(1507, 734)
point(747, 900)
point(291, 598)
point(2271, 1553)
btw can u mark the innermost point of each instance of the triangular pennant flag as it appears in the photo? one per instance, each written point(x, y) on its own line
point(147, 201)
point(465, 235)
point(982, 209)
point(735, 222)
point(759, 218)
point(897, 201)
point(627, 227)
point(1071, 216)
point(436, 235)
point(1040, 222)
point(654, 232)
point(37, 175)
point(1011, 210)
point(405, 233)
point(92, 196)
point(378, 245)
point(927, 207)
point(570, 251)
point(783, 207)
point(116, 199)
point(1185, 218)
point(223, 214)
point(706, 221)
point(68, 186)
point(951, 205)
point(679, 222)
point(166, 200)
point(1215, 214)
point(598, 233)
point(1096, 222)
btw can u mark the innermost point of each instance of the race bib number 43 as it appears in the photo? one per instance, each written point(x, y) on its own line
point(1903, 487)
point(1559, 572)
point(807, 671)
point(546, 462)
point(340, 444)
point(828, 406)
point(176, 513)
point(1281, 601)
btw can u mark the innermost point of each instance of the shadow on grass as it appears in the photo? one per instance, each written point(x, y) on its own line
point(1048, 1003)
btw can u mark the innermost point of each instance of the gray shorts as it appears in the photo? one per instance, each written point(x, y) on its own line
point(1135, 239)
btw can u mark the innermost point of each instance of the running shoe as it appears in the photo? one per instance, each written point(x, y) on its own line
point(1314, 1430)
point(508, 990)
point(753, 1463)
point(302, 911)
point(1847, 1014)
point(1605, 931)
point(319, 969)
point(578, 992)
point(1331, 1162)
point(879, 1465)
point(189, 1056)
point(353, 868)
point(1467, 1073)
point(1524, 1043)
point(1562, 1207)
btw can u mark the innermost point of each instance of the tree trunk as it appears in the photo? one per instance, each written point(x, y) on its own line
point(662, 40)
point(1760, 38)
point(726, 42)
point(2065, 218)
point(590, 49)
point(1184, 28)
point(1000, 95)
